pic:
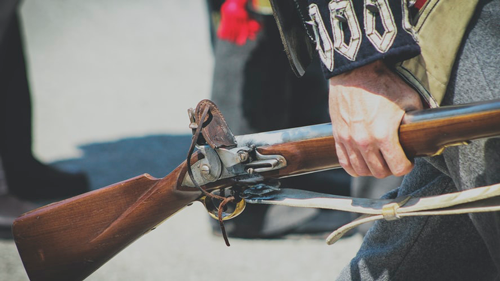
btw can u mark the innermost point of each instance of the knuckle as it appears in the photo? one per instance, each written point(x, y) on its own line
point(365, 174)
point(363, 142)
point(399, 173)
point(381, 174)
point(363, 171)
point(344, 163)
point(402, 170)
point(344, 138)
point(381, 136)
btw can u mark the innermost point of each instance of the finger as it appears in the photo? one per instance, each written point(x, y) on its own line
point(357, 161)
point(344, 159)
point(359, 145)
point(376, 163)
point(399, 163)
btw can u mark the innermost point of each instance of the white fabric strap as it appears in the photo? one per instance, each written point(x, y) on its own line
point(481, 199)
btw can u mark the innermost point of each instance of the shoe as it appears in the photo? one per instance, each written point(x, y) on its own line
point(36, 181)
point(12, 207)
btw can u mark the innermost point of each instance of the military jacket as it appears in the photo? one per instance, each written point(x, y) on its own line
point(421, 44)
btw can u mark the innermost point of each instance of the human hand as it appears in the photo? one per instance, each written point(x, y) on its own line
point(366, 109)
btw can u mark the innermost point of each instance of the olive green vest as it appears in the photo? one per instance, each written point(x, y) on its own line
point(438, 28)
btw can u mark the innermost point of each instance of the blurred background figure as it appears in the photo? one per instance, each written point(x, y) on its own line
point(24, 177)
point(257, 91)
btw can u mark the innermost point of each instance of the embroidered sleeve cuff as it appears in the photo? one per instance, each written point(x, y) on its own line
point(350, 34)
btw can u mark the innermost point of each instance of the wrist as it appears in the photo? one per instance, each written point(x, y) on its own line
point(372, 70)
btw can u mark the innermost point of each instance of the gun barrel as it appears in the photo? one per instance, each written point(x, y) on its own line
point(422, 133)
point(429, 132)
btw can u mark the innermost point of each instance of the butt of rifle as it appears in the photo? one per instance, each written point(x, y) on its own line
point(70, 239)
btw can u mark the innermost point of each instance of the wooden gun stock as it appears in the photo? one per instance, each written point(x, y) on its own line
point(70, 239)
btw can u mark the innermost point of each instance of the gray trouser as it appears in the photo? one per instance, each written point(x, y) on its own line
point(460, 247)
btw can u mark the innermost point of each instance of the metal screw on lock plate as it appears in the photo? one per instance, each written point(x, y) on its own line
point(243, 156)
point(205, 170)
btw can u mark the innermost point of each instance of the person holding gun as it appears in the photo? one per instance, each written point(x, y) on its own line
point(24, 177)
point(384, 58)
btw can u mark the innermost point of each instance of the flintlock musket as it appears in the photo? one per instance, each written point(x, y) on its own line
point(70, 239)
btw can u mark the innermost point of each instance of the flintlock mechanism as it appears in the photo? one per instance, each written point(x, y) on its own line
point(253, 161)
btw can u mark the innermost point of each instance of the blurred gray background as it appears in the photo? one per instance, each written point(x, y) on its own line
point(111, 82)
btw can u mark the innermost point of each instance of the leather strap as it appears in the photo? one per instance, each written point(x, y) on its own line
point(481, 199)
point(214, 128)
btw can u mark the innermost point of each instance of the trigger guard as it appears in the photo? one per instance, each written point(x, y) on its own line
point(213, 210)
